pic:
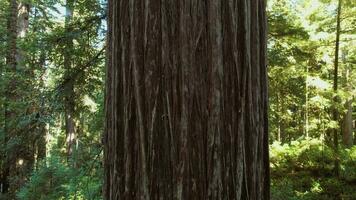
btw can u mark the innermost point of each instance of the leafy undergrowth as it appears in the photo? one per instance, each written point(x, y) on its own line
point(304, 170)
point(300, 170)
point(56, 180)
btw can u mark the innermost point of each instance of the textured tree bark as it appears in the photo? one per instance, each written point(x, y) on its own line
point(186, 100)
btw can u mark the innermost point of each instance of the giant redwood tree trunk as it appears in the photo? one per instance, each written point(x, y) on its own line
point(186, 100)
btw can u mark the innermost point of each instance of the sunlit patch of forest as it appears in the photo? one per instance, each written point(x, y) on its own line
point(54, 91)
point(307, 137)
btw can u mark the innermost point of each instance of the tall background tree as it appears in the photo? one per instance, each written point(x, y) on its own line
point(303, 97)
point(18, 155)
point(36, 84)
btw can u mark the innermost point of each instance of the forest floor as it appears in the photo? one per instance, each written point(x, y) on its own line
point(309, 186)
point(303, 170)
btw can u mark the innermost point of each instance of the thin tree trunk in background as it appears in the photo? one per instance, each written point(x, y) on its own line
point(41, 142)
point(284, 136)
point(306, 117)
point(347, 129)
point(42, 133)
point(335, 114)
point(40, 106)
point(9, 93)
point(19, 158)
point(186, 100)
point(27, 146)
point(281, 134)
point(69, 99)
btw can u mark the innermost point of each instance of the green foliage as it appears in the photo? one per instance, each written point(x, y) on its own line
point(301, 64)
point(55, 180)
point(304, 170)
point(309, 154)
point(38, 104)
point(348, 164)
point(301, 186)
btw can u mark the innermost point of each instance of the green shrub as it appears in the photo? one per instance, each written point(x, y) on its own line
point(348, 164)
point(303, 154)
point(303, 170)
point(56, 180)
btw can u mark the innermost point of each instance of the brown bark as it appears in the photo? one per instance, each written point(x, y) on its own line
point(186, 100)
